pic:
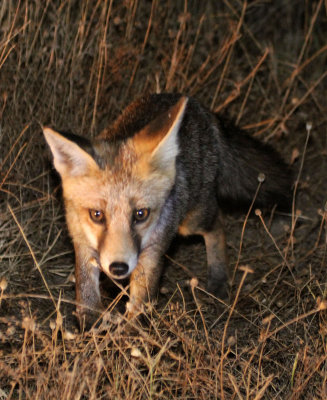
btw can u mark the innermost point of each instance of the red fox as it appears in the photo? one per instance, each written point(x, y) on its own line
point(166, 166)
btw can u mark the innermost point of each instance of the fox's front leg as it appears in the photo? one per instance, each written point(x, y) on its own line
point(87, 287)
point(217, 259)
point(144, 280)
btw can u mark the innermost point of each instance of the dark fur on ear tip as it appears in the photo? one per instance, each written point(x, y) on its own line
point(81, 141)
point(84, 144)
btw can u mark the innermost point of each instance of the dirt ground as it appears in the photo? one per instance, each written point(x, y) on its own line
point(75, 65)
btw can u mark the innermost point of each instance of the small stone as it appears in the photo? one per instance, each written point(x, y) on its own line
point(3, 284)
point(231, 341)
point(136, 353)
point(194, 282)
point(164, 290)
point(69, 335)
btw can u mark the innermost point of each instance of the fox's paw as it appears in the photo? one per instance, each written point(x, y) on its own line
point(88, 317)
point(133, 309)
point(218, 285)
point(87, 320)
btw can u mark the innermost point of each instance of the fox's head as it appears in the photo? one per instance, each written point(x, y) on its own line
point(115, 189)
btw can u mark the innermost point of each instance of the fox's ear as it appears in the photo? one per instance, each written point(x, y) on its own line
point(69, 158)
point(157, 143)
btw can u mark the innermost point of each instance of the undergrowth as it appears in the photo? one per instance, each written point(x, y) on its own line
point(75, 66)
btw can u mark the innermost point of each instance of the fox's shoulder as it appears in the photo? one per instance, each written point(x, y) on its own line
point(138, 114)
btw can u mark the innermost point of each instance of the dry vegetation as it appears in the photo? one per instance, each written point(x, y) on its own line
point(75, 65)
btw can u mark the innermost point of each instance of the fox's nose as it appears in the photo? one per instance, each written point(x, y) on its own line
point(118, 268)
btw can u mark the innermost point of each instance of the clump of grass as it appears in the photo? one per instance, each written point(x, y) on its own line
point(75, 66)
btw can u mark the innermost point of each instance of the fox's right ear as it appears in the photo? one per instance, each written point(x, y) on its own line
point(157, 143)
point(69, 158)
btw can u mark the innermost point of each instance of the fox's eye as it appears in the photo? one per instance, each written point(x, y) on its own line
point(96, 216)
point(141, 215)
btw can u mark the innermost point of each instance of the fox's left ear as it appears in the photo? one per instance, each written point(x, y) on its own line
point(69, 156)
point(157, 143)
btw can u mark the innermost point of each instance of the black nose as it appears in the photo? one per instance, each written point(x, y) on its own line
point(118, 268)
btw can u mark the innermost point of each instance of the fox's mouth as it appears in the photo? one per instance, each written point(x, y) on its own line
point(118, 267)
point(118, 270)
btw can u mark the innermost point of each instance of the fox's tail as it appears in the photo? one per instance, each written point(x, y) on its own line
point(244, 163)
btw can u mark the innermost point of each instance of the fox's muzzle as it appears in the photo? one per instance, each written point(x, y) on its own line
point(118, 252)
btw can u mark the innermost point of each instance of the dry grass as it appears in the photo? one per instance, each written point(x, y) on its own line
point(75, 65)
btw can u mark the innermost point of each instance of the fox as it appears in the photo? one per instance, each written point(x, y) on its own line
point(166, 166)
